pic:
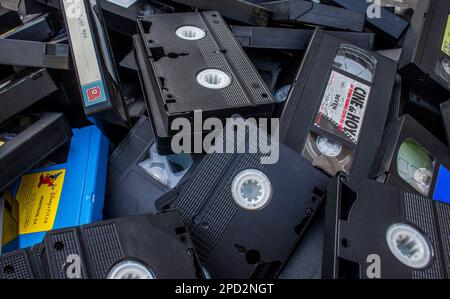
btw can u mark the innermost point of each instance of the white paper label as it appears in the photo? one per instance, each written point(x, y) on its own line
point(343, 107)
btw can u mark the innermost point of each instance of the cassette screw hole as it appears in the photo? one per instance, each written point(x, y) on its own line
point(252, 257)
point(190, 252)
point(59, 246)
point(345, 243)
point(8, 269)
point(264, 95)
point(214, 15)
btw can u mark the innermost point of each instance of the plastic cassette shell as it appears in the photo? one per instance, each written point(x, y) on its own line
point(311, 13)
point(422, 50)
point(30, 86)
point(395, 134)
point(359, 214)
point(178, 94)
point(231, 240)
point(108, 110)
point(304, 100)
point(292, 39)
point(51, 127)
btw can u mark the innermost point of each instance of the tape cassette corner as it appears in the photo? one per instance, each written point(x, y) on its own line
point(124, 254)
point(407, 236)
point(414, 160)
point(339, 105)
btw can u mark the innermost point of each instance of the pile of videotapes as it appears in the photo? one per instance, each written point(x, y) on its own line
point(224, 139)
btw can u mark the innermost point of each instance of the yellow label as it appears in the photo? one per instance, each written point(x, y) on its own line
point(38, 198)
point(446, 41)
point(2, 143)
point(10, 218)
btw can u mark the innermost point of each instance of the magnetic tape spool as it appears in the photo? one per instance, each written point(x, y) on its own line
point(327, 154)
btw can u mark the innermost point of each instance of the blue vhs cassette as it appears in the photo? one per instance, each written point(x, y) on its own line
point(62, 195)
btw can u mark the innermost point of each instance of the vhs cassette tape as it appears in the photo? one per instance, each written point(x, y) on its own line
point(35, 54)
point(425, 60)
point(24, 264)
point(239, 10)
point(38, 28)
point(95, 66)
point(374, 230)
point(412, 159)
point(29, 85)
point(336, 110)
point(233, 201)
point(387, 24)
point(29, 131)
point(67, 190)
point(190, 62)
point(292, 39)
point(139, 247)
point(138, 175)
point(307, 12)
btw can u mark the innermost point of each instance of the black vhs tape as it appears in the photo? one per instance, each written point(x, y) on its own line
point(292, 39)
point(425, 60)
point(232, 202)
point(41, 132)
point(412, 159)
point(377, 231)
point(138, 175)
point(336, 110)
point(30, 86)
point(34, 54)
point(307, 12)
point(24, 264)
point(139, 247)
point(239, 10)
point(387, 23)
point(190, 62)
point(36, 28)
point(95, 66)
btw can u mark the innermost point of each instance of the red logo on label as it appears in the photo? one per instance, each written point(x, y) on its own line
point(94, 93)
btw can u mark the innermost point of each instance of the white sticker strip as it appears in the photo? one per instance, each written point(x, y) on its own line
point(84, 52)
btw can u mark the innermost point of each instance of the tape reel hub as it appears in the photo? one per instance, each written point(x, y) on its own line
point(251, 189)
point(213, 79)
point(130, 270)
point(328, 147)
point(409, 246)
point(190, 33)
